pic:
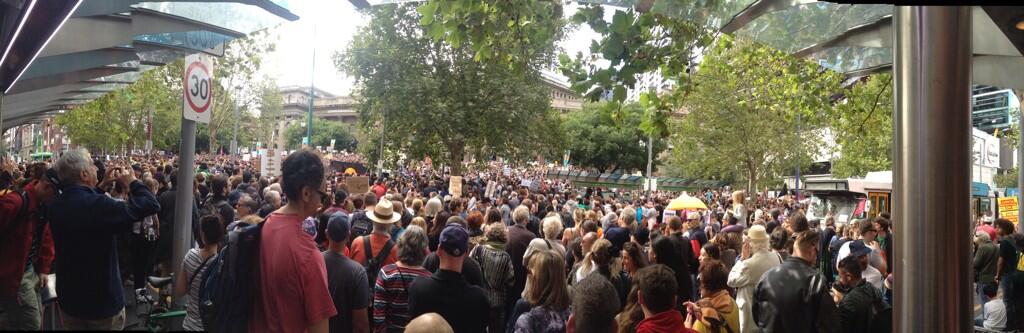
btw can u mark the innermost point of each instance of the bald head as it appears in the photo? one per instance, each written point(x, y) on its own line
point(429, 323)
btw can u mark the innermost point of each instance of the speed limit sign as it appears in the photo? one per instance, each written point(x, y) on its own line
point(198, 89)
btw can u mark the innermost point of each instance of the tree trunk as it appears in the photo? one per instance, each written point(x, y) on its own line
point(751, 177)
point(213, 139)
point(456, 149)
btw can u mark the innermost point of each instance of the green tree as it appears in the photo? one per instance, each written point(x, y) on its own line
point(236, 72)
point(270, 106)
point(118, 119)
point(323, 132)
point(518, 33)
point(741, 118)
point(1007, 179)
point(862, 127)
point(430, 98)
point(654, 37)
point(608, 139)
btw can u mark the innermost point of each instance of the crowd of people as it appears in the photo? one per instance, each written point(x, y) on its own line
point(505, 250)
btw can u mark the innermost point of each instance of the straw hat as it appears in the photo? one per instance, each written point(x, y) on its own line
point(757, 233)
point(384, 212)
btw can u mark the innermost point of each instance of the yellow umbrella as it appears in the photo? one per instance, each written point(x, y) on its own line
point(686, 202)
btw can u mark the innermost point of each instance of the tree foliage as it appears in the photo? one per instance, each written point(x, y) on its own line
point(608, 139)
point(1007, 179)
point(236, 73)
point(635, 42)
point(518, 33)
point(118, 119)
point(429, 97)
point(323, 132)
point(862, 126)
point(741, 119)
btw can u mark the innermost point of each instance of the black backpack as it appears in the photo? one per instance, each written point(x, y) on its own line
point(361, 224)
point(228, 289)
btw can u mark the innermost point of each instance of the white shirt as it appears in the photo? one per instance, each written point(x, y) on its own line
point(995, 315)
point(874, 259)
point(874, 277)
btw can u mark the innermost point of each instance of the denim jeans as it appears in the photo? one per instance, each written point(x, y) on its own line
point(1008, 282)
point(980, 288)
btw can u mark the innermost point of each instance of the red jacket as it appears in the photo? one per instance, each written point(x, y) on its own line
point(15, 244)
point(670, 321)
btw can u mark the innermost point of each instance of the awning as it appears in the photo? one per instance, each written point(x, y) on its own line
point(105, 44)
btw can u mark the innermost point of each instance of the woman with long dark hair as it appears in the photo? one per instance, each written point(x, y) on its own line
point(665, 251)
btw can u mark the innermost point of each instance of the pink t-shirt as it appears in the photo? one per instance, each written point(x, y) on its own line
point(293, 291)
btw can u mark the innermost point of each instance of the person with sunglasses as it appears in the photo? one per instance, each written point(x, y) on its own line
point(293, 295)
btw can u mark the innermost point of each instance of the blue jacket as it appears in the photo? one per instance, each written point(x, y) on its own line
point(84, 224)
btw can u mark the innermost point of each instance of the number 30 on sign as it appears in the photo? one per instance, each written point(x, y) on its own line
point(197, 104)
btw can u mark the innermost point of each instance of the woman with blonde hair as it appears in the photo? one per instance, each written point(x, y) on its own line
point(602, 261)
point(420, 222)
point(547, 295)
point(417, 207)
point(738, 209)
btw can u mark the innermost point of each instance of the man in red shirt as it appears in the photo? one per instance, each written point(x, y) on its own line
point(293, 294)
point(26, 253)
point(383, 216)
point(657, 297)
point(379, 189)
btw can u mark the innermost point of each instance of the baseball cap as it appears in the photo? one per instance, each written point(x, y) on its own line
point(618, 237)
point(857, 248)
point(454, 239)
point(338, 227)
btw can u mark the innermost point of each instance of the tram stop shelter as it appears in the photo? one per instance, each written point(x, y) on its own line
point(935, 54)
point(61, 53)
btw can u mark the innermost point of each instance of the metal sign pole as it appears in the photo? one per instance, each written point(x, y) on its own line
point(197, 105)
point(183, 196)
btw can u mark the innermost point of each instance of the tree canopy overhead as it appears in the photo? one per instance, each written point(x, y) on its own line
point(862, 126)
point(517, 33)
point(429, 97)
point(754, 114)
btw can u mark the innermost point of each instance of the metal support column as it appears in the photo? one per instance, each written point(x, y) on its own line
point(932, 169)
point(183, 197)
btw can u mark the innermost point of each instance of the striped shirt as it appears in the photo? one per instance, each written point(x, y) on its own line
point(391, 297)
point(193, 322)
point(498, 274)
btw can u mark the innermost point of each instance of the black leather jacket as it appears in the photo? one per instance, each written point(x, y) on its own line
point(794, 298)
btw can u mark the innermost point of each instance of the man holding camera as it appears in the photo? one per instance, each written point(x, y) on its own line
point(84, 223)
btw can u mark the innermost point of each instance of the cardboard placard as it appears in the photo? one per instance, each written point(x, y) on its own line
point(1008, 209)
point(358, 184)
point(455, 186)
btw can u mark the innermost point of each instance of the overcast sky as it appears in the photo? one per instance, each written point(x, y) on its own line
point(336, 21)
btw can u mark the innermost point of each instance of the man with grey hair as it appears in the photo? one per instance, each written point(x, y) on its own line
point(756, 259)
point(246, 206)
point(271, 202)
point(84, 223)
point(519, 239)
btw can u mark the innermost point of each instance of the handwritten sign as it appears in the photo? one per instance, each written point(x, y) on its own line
point(1008, 209)
point(455, 186)
point(358, 184)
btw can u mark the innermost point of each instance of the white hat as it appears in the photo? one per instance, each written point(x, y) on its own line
point(757, 232)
